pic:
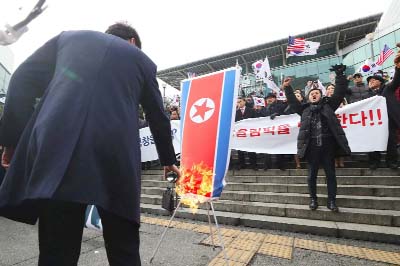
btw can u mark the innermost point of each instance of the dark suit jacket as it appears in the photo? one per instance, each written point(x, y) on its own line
point(248, 113)
point(81, 142)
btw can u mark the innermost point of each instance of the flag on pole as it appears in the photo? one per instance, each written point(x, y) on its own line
point(208, 106)
point(191, 75)
point(258, 101)
point(262, 70)
point(368, 68)
point(321, 87)
point(385, 54)
point(301, 47)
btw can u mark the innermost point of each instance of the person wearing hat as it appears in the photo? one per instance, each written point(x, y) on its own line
point(377, 86)
point(273, 109)
point(359, 91)
point(321, 137)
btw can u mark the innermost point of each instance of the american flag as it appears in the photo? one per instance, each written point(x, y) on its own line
point(385, 54)
point(295, 44)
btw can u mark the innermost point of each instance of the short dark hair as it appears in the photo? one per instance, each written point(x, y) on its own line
point(125, 31)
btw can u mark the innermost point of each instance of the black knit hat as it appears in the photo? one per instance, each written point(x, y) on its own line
point(377, 77)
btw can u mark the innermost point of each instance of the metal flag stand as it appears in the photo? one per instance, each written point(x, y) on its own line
point(209, 206)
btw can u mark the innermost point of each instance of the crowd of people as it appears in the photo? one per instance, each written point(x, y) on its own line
point(378, 83)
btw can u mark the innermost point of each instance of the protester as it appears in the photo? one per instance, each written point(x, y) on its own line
point(174, 114)
point(359, 91)
point(80, 145)
point(376, 84)
point(300, 98)
point(339, 161)
point(244, 112)
point(321, 136)
point(273, 109)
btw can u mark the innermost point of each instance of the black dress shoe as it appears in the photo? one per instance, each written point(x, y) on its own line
point(255, 168)
point(332, 206)
point(313, 204)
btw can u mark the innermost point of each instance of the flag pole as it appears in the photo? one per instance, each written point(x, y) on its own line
point(210, 206)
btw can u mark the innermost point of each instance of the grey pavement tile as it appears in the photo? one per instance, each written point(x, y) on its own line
point(307, 258)
point(18, 242)
point(18, 246)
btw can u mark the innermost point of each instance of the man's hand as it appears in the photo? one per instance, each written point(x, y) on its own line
point(7, 156)
point(172, 168)
point(287, 82)
point(273, 116)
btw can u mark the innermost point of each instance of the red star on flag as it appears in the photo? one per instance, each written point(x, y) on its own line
point(201, 110)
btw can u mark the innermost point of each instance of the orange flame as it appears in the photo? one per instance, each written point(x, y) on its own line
point(195, 185)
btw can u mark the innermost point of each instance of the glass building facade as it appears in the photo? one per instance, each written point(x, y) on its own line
point(6, 62)
point(353, 56)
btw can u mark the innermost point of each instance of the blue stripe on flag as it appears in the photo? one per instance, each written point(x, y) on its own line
point(224, 132)
point(185, 87)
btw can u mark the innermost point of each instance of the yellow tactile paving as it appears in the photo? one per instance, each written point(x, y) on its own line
point(310, 244)
point(280, 240)
point(185, 226)
point(227, 240)
point(275, 250)
point(345, 250)
point(204, 229)
point(383, 256)
point(238, 255)
point(258, 237)
point(246, 244)
point(145, 219)
point(230, 232)
point(222, 262)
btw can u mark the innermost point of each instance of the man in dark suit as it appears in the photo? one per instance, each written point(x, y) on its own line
point(79, 145)
point(244, 112)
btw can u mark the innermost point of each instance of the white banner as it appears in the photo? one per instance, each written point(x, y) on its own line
point(147, 144)
point(365, 124)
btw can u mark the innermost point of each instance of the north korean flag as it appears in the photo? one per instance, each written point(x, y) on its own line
point(208, 103)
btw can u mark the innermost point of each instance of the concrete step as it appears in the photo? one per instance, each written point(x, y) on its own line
point(385, 234)
point(341, 180)
point(304, 172)
point(151, 180)
point(157, 173)
point(349, 215)
point(355, 190)
point(360, 190)
point(347, 201)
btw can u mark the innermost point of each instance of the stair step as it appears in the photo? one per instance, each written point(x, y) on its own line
point(341, 180)
point(297, 172)
point(348, 201)
point(359, 190)
point(385, 234)
point(352, 215)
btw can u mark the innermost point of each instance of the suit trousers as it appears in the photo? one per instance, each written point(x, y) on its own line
point(324, 155)
point(252, 159)
point(391, 150)
point(60, 235)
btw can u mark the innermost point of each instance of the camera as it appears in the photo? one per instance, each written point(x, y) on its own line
point(171, 177)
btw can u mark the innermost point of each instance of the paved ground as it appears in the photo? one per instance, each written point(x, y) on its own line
point(18, 246)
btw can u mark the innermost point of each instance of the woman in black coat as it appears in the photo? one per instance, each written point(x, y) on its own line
point(321, 136)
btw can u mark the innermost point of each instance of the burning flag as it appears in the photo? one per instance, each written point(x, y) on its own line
point(208, 104)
